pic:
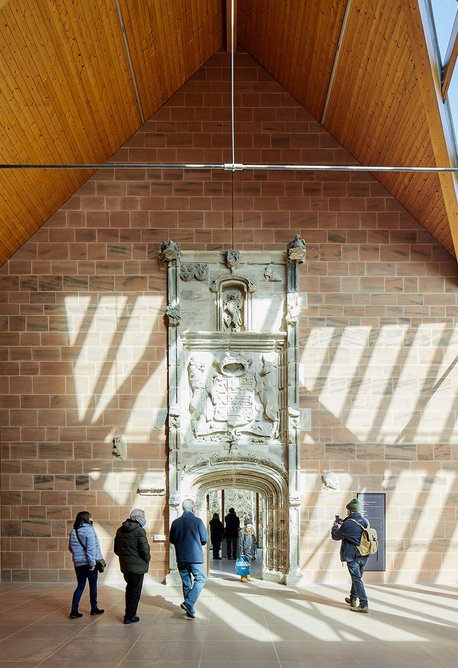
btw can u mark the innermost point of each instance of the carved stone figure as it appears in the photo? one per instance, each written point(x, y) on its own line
point(232, 310)
point(267, 386)
point(200, 387)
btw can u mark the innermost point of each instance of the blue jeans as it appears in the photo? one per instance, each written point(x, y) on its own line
point(356, 570)
point(82, 574)
point(193, 580)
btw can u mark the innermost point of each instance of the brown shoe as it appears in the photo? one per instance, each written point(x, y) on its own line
point(351, 601)
point(360, 608)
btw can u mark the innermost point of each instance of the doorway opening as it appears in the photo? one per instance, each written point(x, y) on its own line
point(264, 482)
point(246, 506)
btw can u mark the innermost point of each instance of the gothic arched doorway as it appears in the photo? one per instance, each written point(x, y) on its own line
point(272, 487)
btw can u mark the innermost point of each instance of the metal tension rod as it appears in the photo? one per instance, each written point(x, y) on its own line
point(232, 167)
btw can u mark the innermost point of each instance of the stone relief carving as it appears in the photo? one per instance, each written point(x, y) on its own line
point(233, 310)
point(173, 314)
point(254, 458)
point(273, 273)
point(294, 416)
point(170, 250)
point(267, 387)
point(233, 302)
point(197, 270)
point(232, 259)
point(232, 396)
point(293, 308)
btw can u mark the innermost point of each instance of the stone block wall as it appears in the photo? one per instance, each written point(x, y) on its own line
point(84, 343)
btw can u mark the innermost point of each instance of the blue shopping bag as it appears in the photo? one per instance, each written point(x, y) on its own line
point(242, 566)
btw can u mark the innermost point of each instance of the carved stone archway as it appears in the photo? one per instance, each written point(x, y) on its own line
point(270, 484)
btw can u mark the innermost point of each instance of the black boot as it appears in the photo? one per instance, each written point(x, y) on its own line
point(97, 611)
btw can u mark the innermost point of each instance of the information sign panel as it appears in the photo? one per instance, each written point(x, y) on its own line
point(373, 508)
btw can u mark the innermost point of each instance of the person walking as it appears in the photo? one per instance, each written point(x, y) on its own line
point(231, 533)
point(216, 534)
point(132, 547)
point(188, 534)
point(246, 547)
point(349, 532)
point(85, 548)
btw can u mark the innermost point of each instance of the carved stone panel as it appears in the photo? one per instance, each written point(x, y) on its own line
point(233, 393)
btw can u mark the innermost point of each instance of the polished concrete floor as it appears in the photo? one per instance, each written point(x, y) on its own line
point(255, 625)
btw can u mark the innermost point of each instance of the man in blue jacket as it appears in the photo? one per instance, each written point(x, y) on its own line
point(349, 532)
point(188, 534)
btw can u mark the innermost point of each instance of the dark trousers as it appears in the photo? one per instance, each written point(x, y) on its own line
point(82, 574)
point(231, 542)
point(133, 592)
point(216, 545)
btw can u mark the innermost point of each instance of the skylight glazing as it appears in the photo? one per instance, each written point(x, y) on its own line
point(443, 16)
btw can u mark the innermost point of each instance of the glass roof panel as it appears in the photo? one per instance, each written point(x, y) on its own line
point(444, 12)
point(452, 96)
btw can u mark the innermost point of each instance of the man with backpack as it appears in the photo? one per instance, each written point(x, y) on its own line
point(349, 531)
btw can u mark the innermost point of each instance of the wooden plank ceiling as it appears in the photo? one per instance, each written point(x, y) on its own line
point(361, 68)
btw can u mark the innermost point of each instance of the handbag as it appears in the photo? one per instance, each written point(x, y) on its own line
point(242, 566)
point(100, 564)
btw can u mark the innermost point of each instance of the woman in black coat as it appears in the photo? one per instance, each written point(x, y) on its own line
point(216, 534)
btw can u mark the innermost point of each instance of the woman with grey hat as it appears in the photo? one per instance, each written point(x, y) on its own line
point(349, 531)
point(246, 549)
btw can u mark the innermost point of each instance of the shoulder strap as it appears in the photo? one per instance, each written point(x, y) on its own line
point(360, 525)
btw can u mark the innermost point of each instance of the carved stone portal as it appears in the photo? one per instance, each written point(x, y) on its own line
point(233, 395)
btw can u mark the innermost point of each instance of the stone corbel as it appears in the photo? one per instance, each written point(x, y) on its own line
point(170, 250)
point(296, 249)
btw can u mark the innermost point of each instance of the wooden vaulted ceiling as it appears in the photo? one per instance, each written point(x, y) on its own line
point(360, 67)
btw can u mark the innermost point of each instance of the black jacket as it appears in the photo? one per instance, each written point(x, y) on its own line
point(132, 547)
point(232, 525)
point(216, 530)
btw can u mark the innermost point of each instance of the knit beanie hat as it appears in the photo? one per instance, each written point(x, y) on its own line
point(248, 521)
point(353, 506)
